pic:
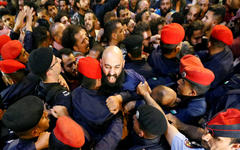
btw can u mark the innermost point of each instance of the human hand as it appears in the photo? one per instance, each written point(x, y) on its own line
point(63, 82)
point(58, 111)
point(155, 39)
point(174, 121)
point(19, 21)
point(42, 141)
point(143, 89)
point(114, 103)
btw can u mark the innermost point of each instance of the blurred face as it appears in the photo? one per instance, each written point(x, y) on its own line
point(120, 32)
point(234, 4)
point(112, 67)
point(23, 56)
point(64, 20)
point(146, 17)
point(165, 6)
point(59, 31)
point(131, 25)
point(71, 2)
point(184, 87)
point(55, 66)
point(123, 14)
point(52, 10)
point(124, 3)
point(8, 21)
point(192, 14)
point(89, 22)
point(82, 42)
point(208, 20)
point(69, 64)
point(146, 38)
point(204, 5)
point(133, 2)
point(216, 143)
point(84, 4)
point(43, 124)
point(143, 5)
point(63, 5)
point(196, 38)
point(43, 15)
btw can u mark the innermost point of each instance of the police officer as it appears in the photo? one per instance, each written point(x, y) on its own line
point(44, 64)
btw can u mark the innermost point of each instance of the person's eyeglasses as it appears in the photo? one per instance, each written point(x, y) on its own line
point(56, 61)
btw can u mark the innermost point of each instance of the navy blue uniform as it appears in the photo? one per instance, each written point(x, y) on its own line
point(142, 67)
point(21, 144)
point(166, 69)
point(90, 111)
point(220, 63)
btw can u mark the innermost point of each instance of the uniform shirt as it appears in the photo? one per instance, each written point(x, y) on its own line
point(220, 64)
point(180, 142)
point(21, 144)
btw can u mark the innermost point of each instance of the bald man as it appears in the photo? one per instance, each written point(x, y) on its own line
point(116, 80)
point(165, 96)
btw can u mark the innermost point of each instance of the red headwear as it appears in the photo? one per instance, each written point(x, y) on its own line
point(192, 69)
point(222, 33)
point(69, 132)
point(3, 40)
point(11, 49)
point(11, 66)
point(90, 68)
point(225, 124)
point(172, 33)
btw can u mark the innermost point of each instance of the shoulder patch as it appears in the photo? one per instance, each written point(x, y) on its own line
point(188, 143)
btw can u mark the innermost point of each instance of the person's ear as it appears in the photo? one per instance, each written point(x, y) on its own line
point(35, 132)
point(114, 36)
point(141, 133)
point(194, 92)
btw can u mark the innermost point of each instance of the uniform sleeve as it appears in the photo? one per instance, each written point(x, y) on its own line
point(65, 99)
point(179, 141)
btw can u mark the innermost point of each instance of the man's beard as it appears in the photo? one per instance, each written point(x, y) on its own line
point(148, 49)
point(111, 88)
point(70, 76)
point(164, 13)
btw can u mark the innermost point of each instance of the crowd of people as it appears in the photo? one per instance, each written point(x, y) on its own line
point(120, 74)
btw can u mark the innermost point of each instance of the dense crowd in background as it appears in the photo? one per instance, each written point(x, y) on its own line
point(120, 74)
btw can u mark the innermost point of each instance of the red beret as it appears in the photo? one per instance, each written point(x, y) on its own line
point(3, 40)
point(10, 66)
point(69, 132)
point(90, 68)
point(4, 3)
point(225, 124)
point(222, 33)
point(199, 75)
point(11, 49)
point(190, 60)
point(172, 33)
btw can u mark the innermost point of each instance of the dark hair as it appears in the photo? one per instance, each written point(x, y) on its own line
point(49, 3)
point(235, 140)
point(39, 36)
point(194, 26)
point(167, 48)
point(119, 9)
point(60, 14)
point(108, 15)
point(141, 27)
point(91, 12)
point(216, 43)
point(138, 17)
point(219, 12)
point(68, 37)
point(177, 18)
point(44, 23)
point(133, 45)
point(65, 51)
point(4, 11)
point(154, 23)
point(88, 83)
point(109, 28)
point(31, 5)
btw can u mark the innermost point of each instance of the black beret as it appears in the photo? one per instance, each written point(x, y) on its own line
point(24, 114)
point(40, 60)
point(133, 42)
point(151, 120)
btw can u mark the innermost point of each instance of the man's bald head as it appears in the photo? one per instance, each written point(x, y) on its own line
point(112, 63)
point(165, 96)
